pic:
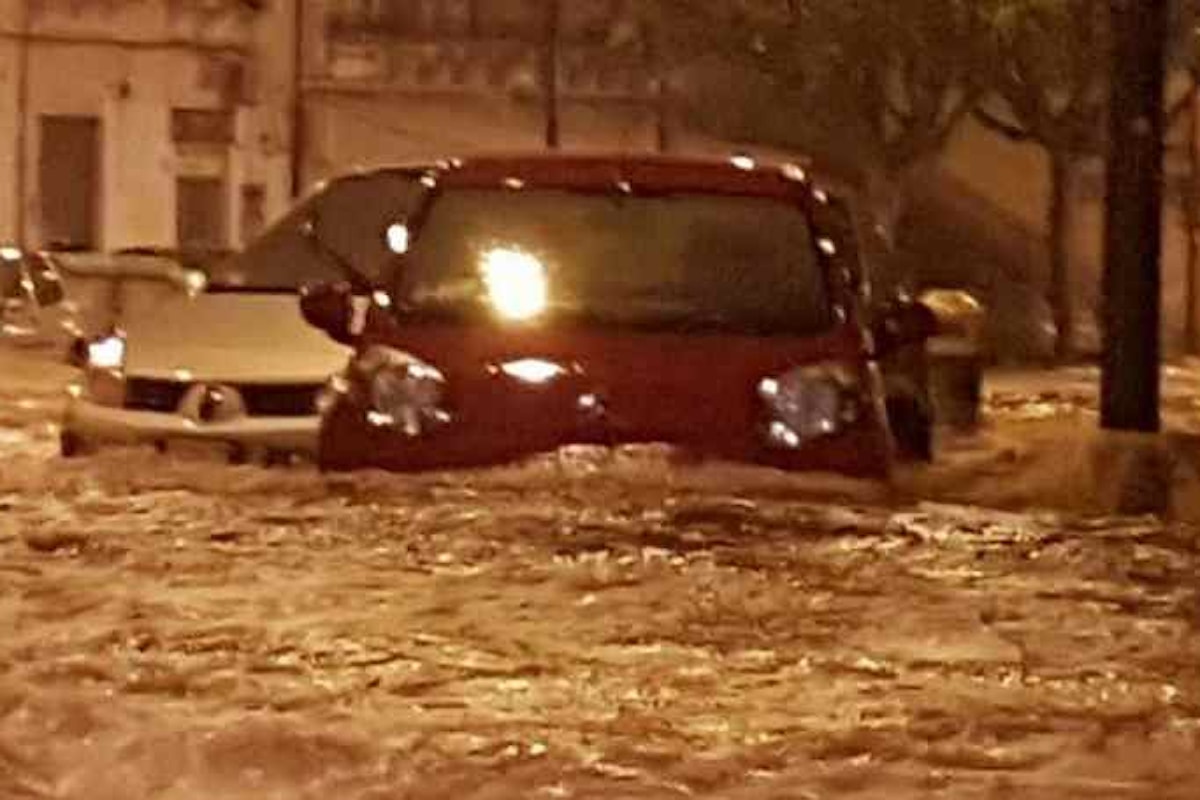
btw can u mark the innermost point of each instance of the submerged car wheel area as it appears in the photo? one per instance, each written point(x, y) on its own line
point(534, 303)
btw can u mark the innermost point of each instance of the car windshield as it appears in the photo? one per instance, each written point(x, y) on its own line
point(350, 216)
point(689, 260)
point(279, 260)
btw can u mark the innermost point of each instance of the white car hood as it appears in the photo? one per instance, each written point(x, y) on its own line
point(233, 337)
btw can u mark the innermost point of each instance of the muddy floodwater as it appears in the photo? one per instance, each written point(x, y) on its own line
point(587, 625)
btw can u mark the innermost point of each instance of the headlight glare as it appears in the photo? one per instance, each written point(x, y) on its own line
point(107, 352)
point(808, 403)
point(532, 370)
point(403, 391)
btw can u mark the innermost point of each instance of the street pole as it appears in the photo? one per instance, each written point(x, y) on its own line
point(1191, 200)
point(1130, 381)
point(662, 93)
point(550, 45)
point(662, 116)
point(299, 122)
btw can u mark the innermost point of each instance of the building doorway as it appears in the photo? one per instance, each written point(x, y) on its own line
point(69, 181)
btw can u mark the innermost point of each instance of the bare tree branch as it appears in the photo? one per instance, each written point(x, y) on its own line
point(1006, 129)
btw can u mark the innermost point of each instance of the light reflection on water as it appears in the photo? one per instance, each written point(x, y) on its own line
point(589, 624)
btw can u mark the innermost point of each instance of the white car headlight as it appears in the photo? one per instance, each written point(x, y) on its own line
point(107, 352)
point(810, 402)
point(404, 392)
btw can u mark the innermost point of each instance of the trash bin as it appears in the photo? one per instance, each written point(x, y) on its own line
point(955, 357)
point(955, 383)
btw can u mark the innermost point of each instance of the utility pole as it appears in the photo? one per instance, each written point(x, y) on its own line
point(299, 120)
point(550, 43)
point(662, 115)
point(1191, 205)
point(1130, 382)
point(21, 156)
point(662, 91)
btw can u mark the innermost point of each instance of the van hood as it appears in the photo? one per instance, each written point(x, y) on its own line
point(227, 337)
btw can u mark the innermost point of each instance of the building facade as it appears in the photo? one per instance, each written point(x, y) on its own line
point(195, 122)
point(388, 80)
point(142, 122)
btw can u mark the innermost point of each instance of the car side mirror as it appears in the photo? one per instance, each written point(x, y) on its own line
point(904, 324)
point(329, 307)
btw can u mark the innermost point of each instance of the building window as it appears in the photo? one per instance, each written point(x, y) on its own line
point(510, 18)
point(436, 18)
point(388, 17)
point(253, 212)
point(201, 126)
point(200, 212)
point(593, 22)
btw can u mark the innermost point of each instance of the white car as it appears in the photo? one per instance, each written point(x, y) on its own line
point(205, 362)
point(35, 310)
point(228, 358)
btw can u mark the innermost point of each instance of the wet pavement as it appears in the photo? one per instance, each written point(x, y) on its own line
point(585, 625)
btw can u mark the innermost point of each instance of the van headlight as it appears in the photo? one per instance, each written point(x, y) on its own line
point(810, 402)
point(402, 391)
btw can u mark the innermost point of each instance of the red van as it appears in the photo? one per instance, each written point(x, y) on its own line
point(536, 302)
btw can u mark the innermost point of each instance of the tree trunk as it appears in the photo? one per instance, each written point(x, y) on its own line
point(886, 198)
point(1058, 228)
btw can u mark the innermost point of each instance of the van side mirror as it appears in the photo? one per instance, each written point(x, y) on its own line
point(329, 307)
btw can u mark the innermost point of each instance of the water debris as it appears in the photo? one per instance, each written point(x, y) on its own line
point(54, 540)
point(591, 629)
point(968, 526)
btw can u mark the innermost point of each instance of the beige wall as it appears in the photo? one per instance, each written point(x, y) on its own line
point(8, 105)
point(128, 63)
point(369, 103)
point(362, 130)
